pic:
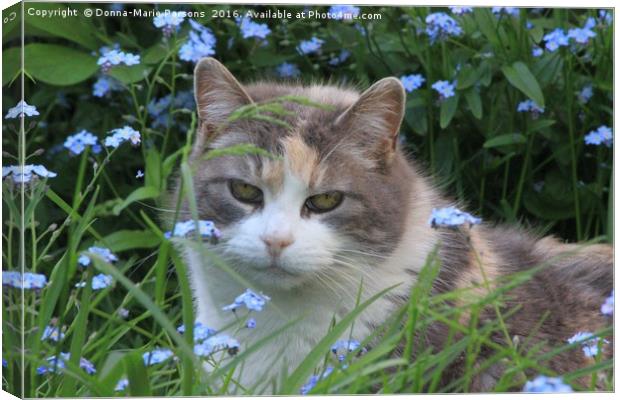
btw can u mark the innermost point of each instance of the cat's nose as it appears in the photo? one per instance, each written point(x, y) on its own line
point(275, 245)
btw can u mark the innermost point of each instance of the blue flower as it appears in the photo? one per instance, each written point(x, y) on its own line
point(52, 333)
point(201, 43)
point(5, 363)
point(589, 342)
point(537, 51)
point(530, 106)
point(444, 88)
point(123, 312)
point(58, 364)
point(169, 21)
point(139, 174)
point(343, 347)
point(412, 82)
point(106, 84)
point(581, 35)
point(21, 109)
point(28, 281)
point(287, 70)
point(513, 11)
point(440, 25)
point(121, 385)
point(102, 252)
point(314, 379)
point(451, 216)
point(607, 16)
point(100, 281)
point(344, 12)
point(156, 356)
point(25, 174)
point(112, 57)
point(77, 143)
point(545, 384)
point(339, 59)
point(201, 331)
point(608, 306)
point(602, 135)
point(460, 10)
point(251, 323)
point(251, 29)
point(120, 135)
point(253, 301)
point(310, 46)
point(206, 229)
point(158, 108)
point(217, 343)
point(585, 94)
point(555, 39)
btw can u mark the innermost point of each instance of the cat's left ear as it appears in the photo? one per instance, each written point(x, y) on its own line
point(377, 115)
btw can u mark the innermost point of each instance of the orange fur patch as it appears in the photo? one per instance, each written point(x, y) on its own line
point(301, 160)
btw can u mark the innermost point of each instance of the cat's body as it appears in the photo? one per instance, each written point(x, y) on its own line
point(341, 205)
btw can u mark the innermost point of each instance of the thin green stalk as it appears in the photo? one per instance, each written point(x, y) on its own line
point(568, 81)
point(524, 168)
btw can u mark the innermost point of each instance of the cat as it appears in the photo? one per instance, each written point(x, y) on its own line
point(338, 206)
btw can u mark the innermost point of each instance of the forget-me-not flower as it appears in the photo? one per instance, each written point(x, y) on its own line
point(252, 301)
point(156, 356)
point(20, 110)
point(158, 108)
point(531, 107)
point(77, 143)
point(287, 70)
point(217, 343)
point(206, 229)
point(585, 94)
point(121, 385)
point(608, 306)
point(545, 384)
point(555, 39)
point(52, 333)
point(412, 82)
point(347, 12)
point(102, 252)
point(251, 29)
point(512, 11)
point(26, 173)
point(310, 46)
point(581, 35)
point(100, 281)
point(29, 280)
point(440, 25)
point(444, 88)
point(314, 379)
point(342, 347)
point(139, 174)
point(602, 135)
point(537, 51)
point(589, 342)
point(106, 84)
point(251, 323)
point(340, 58)
point(120, 135)
point(201, 43)
point(460, 10)
point(451, 216)
point(201, 331)
point(169, 22)
point(58, 364)
point(112, 57)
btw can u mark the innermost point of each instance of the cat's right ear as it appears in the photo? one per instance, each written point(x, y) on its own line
point(217, 92)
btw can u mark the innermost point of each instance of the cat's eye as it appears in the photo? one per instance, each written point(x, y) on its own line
point(324, 202)
point(245, 193)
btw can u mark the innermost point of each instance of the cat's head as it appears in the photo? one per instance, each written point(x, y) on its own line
point(326, 196)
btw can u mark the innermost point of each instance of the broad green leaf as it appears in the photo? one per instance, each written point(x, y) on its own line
point(131, 239)
point(447, 110)
point(58, 65)
point(131, 74)
point(473, 101)
point(76, 29)
point(466, 77)
point(541, 124)
point(519, 76)
point(154, 54)
point(11, 62)
point(505, 140)
point(143, 193)
point(153, 169)
point(487, 23)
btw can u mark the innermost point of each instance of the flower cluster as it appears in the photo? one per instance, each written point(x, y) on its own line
point(344, 12)
point(460, 10)
point(58, 364)
point(545, 384)
point(102, 252)
point(77, 143)
point(512, 11)
point(583, 35)
point(310, 46)
point(555, 39)
point(52, 333)
point(249, 299)
point(217, 343)
point(412, 82)
point(440, 26)
point(157, 108)
point(608, 306)
point(28, 280)
point(287, 70)
point(201, 43)
point(20, 110)
point(106, 84)
point(343, 347)
point(444, 88)
point(169, 22)
point(201, 331)
point(340, 58)
point(206, 229)
point(156, 356)
point(251, 29)
point(26, 173)
point(100, 281)
point(112, 57)
point(589, 342)
point(314, 379)
point(602, 135)
point(531, 107)
point(120, 135)
point(451, 216)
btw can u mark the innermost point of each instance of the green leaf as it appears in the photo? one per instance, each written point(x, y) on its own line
point(143, 193)
point(129, 74)
point(519, 76)
point(466, 77)
point(58, 65)
point(473, 101)
point(11, 63)
point(541, 124)
point(447, 111)
point(131, 239)
point(76, 29)
point(154, 54)
point(137, 375)
point(487, 23)
point(153, 169)
point(505, 140)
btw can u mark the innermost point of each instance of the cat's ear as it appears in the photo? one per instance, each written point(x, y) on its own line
point(217, 92)
point(377, 115)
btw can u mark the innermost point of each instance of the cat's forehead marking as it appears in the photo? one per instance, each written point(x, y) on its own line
point(300, 159)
